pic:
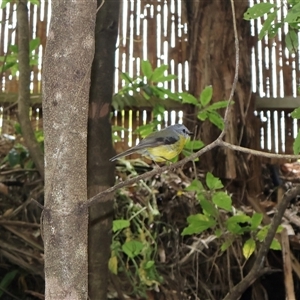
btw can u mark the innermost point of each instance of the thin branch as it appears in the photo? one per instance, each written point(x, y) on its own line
point(236, 72)
point(257, 152)
point(258, 265)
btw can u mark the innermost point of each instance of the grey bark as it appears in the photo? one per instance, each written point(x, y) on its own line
point(67, 70)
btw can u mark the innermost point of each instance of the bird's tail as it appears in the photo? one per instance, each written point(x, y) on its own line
point(125, 153)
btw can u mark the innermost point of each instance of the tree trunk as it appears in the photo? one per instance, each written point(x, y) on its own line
point(33, 146)
point(212, 62)
point(100, 169)
point(67, 72)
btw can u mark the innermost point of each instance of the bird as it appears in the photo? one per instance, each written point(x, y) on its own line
point(160, 146)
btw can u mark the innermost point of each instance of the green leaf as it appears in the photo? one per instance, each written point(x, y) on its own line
point(202, 115)
point(296, 144)
point(216, 119)
point(158, 73)
point(206, 95)
point(188, 98)
point(13, 157)
point(226, 245)
point(132, 248)
point(256, 220)
point(222, 200)
point(258, 10)
point(296, 113)
point(233, 224)
point(249, 248)
point(194, 145)
point(207, 206)
point(35, 2)
point(275, 245)
point(261, 235)
point(149, 264)
point(147, 69)
point(4, 3)
point(274, 29)
point(33, 44)
point(126, 77)
point(120, 224)
point(213, 183)
point(14, 48)
point(195, 186)
point(293, 15)
point(218, 232)
point(166, 78)
point(220, 104)
point(267, 24)
point(198, 223)
point(8, 66)
point(6, 281)
point(291, 41)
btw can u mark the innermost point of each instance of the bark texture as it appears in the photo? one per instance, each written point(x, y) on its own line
point(33, 146)
point(100, 169)
point(212, 62)
point(66, 83)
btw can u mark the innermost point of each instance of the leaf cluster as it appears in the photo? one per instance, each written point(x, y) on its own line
point(220, 218)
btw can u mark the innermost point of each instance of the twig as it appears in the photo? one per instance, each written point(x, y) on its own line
point(257, 268)
point(236, 72)
point(102, 3)
point(288, 270)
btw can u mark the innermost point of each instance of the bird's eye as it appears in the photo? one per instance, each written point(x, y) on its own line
point(183, 130)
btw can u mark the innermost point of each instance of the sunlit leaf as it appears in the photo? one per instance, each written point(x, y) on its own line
point(195, 186)
point(267, 24)
point(216, 119)
point(198, 223)
point(275, 245)
point(291, 41)
point(120, 224)
point(213, 182)
point(249, 248)
point(194, 145)
point(256, 220)
point(147, 68)
point(206, 95)
point(222, 200)
point(188, 98)
point(158, 73)
point(33, 44)
point(258, 10)
point(132, 248)
point(293, 15)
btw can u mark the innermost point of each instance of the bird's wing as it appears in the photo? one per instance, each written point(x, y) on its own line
point(153, 140)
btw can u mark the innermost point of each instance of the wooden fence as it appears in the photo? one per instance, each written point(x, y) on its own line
point(157, 31)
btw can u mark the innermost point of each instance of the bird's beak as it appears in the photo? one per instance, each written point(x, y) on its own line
point(190, 133)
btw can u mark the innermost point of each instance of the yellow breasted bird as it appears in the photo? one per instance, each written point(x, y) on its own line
point(161, 145)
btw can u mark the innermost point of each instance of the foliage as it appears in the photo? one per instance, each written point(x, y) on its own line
point(134, 245)
point(219, 217)
point(19, 154)
point(270, 28)
point(10, 61)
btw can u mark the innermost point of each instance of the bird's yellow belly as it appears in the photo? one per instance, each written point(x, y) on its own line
point(164, 152)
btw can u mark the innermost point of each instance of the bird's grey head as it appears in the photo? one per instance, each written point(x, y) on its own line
point(181, 129)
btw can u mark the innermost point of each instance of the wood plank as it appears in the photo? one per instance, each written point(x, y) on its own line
point(287, 102)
